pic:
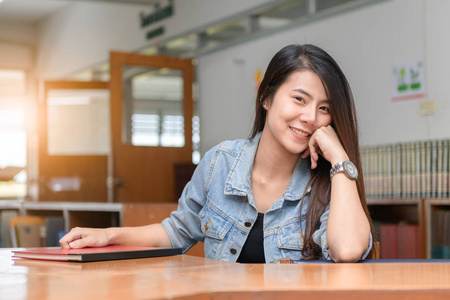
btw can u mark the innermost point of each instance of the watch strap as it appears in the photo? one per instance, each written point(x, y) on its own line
point(338, 167)
point(346, 167)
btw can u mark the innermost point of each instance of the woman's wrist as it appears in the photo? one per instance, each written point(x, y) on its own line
point(112, 235)
point(339, 158)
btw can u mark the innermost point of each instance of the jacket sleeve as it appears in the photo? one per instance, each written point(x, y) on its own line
point(183, 225)
point(320, 237)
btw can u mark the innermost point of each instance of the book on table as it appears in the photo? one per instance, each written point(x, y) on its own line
point(94, 254)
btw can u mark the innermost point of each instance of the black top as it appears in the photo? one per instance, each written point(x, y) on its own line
point(253, 250)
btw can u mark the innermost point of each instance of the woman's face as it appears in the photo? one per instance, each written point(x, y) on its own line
point(297, 110)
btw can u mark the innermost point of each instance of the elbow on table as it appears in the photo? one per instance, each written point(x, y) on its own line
point(346, 254)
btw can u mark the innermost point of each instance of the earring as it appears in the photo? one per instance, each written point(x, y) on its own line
point(265, 105)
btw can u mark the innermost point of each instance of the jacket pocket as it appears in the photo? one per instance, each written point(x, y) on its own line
point(290, 236)
point(214, 223)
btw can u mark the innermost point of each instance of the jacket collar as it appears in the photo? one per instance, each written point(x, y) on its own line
point(239, 178)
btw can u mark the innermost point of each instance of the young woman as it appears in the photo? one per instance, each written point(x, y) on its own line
point(291, 190)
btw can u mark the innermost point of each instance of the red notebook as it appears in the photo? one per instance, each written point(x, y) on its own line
point(95, 254)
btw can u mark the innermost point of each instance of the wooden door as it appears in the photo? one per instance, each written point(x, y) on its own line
point(146, 92)
point(73, 152)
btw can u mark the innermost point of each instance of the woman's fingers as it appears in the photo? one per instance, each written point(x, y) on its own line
point(325, 142)
point(83, 237)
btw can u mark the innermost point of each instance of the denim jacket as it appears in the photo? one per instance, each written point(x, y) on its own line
point(217, 207)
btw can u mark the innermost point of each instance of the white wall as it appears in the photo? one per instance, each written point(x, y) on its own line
point(437, 54)
point(17, 32)
point(17, 46)
point(366, 43)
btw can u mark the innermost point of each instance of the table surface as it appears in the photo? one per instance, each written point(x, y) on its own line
point(190, 277)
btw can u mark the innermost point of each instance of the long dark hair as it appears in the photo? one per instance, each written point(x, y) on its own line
point(294, 58)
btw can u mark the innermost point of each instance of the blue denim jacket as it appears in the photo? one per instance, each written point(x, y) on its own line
point(217, 207)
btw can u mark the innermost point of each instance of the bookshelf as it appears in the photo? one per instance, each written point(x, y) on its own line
point(89, 214)
point(437, 226)
point(68, 214)
point(408, 183)
point(400, 211)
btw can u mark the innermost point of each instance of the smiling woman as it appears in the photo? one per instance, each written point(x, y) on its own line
point(322, 128)
point(271, 196)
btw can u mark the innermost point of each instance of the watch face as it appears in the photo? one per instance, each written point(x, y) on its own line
point(350, 170)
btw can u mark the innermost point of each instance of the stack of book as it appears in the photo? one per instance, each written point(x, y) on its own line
point(409, 170)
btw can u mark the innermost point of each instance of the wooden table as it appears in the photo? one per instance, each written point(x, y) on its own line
point(189, 277)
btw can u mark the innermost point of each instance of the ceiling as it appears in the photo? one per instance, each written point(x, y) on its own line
point(271, 18)
point(32, 11)
point(28, 11)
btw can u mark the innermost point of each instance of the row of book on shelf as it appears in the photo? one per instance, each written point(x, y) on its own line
point(401, 240)
point(398, 241)
point(408, 170)
point(29, 231)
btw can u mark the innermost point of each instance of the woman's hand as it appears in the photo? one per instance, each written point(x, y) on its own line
point(153, 235)
point(85, 237)
point(324, 141)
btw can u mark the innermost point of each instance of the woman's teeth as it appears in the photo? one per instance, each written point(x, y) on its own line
point(299, 132)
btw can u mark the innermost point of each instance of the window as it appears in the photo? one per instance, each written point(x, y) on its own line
point(145, 130)
point(152, 130)
point(78, 122)
point(196, 140)
point(13, 135)
point(172, 131)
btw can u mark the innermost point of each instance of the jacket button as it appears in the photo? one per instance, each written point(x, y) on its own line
point(207, 225)
point(247, 224)
point(233, 251)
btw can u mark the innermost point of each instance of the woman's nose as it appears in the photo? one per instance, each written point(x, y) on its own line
point(308, 115)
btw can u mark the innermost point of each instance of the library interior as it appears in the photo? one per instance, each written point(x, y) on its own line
point(108, 106)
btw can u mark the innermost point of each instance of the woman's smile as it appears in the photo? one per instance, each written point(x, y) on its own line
point(299, 132)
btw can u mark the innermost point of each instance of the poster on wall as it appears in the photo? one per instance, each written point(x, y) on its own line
point(408, 81)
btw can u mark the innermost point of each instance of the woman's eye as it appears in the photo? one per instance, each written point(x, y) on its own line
point(324, 108)
point(299, 99)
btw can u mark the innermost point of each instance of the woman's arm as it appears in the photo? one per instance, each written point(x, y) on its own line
point(348, 229)
point(150, 235)
point(183, 225)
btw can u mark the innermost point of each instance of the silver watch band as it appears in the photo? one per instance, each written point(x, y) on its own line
point(338, 167)
point(347, 167)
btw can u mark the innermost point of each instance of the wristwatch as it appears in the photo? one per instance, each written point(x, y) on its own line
point(347, 167)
